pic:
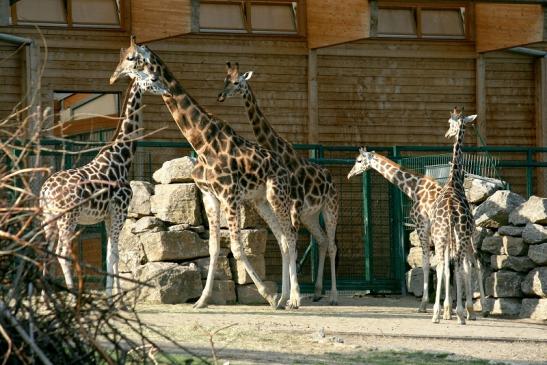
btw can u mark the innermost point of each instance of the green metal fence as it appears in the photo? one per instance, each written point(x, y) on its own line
point(371, 232)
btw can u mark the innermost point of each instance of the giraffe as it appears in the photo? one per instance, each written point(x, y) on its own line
point(229, 171)
point(452, 227)
point(312, 185)
point(98, 191)
point(422, 190)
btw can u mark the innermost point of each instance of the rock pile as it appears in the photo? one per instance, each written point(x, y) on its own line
point(164, 243)
point(511, 238)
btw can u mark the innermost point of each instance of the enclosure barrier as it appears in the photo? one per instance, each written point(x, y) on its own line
point(371, 233)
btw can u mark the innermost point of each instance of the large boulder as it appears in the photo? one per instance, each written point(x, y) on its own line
point(514, 231)
point(534, 233)
point(415, 239)
point(479, 235)
point(239, 273)
point(248, 294)
point(533, 210)
point(415, 281)
point(224, 292)
point(534, 308)
point(494, 211)
point(538, 253)
point(173, 246)
point(503, 306)
point(130, 250)
point(515, 263)
point(168, 283)
point(504, 245)
point(248, 217)
point(222, 270)
point(178, 170)
point(148, 224)
point(140, 202)
point(535, 283)
point(503, 284)
point(477, 189)
point(177, 203)
point(253, 240)
point(415, 257)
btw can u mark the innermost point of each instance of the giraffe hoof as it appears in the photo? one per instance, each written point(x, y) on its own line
point(199, 304)
point(435, 320)
point(422, 308)
point(333, 302)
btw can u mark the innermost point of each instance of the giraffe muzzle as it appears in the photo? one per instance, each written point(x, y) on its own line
point(220, 98)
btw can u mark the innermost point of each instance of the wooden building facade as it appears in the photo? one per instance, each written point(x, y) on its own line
point(330, 72)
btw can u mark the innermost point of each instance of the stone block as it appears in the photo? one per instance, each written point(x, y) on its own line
point(514, 231)
point(414, 239)
point(224, 292)
point(503, 306)
point(177, 203)
point(503, 284)
point(148, 224)
point(479, 235)
point(248, 294)
point(415, 257)
point(504, 245)
point(415, 281)
point(477, 189)
point(494, 211)
point(534, 210)
point(493, 245)
point(538, 254)
point(173, 246)
point(534, 308)
point(515, 263)
point(239, 274)
point(140, 201)
point(253, 240)
point(168, 283)
point(248, 217)
point(222, 272)
point(534, 233)
point(535, 283)
point(130, 250)
point(178, 170)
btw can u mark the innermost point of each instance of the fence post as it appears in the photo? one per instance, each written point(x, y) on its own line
point(398, 244)
point(367, 227)
point(529, 173)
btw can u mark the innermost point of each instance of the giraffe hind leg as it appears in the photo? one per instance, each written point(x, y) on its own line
point(330, 217)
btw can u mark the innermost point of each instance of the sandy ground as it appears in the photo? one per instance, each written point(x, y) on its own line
point(321, 334)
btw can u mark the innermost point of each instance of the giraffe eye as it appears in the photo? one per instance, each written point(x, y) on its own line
point(236, 83)
point(130, 58)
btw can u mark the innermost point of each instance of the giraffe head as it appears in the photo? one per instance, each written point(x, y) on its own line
point(362, 162)
point(456, 121)
point(234, 83)
point(134, 63)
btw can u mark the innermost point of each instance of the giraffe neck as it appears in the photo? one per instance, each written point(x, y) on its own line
point(265, 135)
point(194, 122)
point(392, 172)
point(124, 144)
point(456, 175)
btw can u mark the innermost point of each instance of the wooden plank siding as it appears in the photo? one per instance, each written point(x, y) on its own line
point(10, 72)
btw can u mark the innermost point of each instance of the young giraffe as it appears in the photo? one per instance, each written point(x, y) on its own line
point(452, 227)
point(98, 191)
point(229, 171)
point(311, 185)
point(422, 190)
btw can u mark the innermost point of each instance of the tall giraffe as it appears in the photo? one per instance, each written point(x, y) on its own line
point(422, 190)
point(452, 227)
point(229, 171)
point(96, 192)
point(311, 184)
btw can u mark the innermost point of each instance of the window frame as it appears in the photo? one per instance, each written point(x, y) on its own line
point(417, 8)
point(246, 7)
point(122, 6)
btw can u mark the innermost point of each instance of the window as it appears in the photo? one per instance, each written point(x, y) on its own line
point(68, 13)
point(248, 16)
point(86, 116)
point(401, 21)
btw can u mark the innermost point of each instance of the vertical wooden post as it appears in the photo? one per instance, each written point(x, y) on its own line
point(313, 112)
point(480, 96)
point(4, 12)
point(541, 121)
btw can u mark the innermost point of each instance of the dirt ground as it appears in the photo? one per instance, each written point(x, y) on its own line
point(320, 334)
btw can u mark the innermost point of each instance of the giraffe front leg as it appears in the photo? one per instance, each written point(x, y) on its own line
point(424, 240)
point(447, 307)
point(460, 312)
point(468, 290)
point(212, 209)
point(478, 262)
point(67, 226)
point(239, 254)
point(330, 217)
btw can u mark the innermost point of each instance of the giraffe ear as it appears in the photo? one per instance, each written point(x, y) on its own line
point(133, 40)
point(247, 75)
point(362, 150)
point(228, 65)
point(470, 118)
